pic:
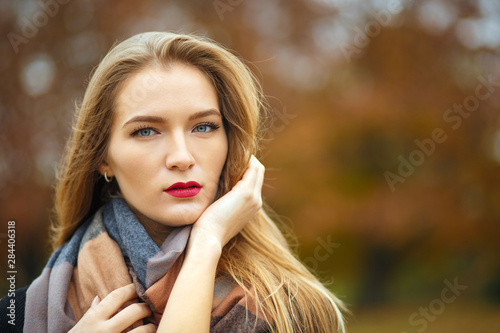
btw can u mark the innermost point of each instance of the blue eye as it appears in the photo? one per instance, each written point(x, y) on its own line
point(145, 132)
point(206, 127)
point(202, 128)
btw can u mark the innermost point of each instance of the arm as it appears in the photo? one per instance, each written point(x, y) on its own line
point(190, 303)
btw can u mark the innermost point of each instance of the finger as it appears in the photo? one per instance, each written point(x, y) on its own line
point(260, 174)
point(114, 300)
point(251, 173)
point(128, 316)
point(149, 328)
point(96, 301)
point(254, 176)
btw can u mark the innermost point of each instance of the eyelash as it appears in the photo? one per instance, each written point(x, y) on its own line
point(210, 124)
point(141, 128)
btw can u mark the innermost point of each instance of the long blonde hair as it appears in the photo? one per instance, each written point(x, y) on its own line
point(259, 256)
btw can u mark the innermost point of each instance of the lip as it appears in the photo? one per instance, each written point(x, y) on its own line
point(184, 190)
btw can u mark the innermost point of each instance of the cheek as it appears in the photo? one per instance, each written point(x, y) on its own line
point(129, 163)
point(217, 156)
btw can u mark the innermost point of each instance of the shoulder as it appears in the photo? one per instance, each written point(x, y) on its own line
point(12, 311)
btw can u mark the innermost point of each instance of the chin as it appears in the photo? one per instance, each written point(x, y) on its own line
point(180, 218)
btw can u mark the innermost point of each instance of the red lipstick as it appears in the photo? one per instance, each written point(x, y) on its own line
point(184, 190)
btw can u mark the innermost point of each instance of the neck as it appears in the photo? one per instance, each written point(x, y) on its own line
point(157, 231)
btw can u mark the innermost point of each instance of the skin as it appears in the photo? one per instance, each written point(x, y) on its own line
point(192, 294)
point(104, 316)
point(176, 146)
point(166, 132)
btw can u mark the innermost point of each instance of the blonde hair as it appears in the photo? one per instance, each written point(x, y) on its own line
point(259, 257)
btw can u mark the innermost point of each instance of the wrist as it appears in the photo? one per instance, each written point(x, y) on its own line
point(204, 246)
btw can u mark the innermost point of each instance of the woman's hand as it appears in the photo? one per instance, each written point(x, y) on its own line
point(225, 218)
point(192, 294)
point(104, 316)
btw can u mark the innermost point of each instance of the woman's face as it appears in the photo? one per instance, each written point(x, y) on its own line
point(167, 144)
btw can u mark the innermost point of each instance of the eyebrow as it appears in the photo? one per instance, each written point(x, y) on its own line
point(158, 119)
point(202, 114)
point(145, 119)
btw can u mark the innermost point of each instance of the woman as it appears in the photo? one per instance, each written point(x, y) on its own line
point(158, 205)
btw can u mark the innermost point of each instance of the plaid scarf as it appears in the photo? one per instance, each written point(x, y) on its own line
point(111, 250)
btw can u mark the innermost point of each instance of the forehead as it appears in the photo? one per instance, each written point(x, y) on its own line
point(161, 90)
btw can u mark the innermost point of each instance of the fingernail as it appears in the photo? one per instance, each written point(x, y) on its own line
point(95, 301)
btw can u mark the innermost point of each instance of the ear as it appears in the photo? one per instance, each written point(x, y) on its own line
point(104, 167)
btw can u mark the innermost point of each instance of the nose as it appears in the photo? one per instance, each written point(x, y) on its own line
point(179, 156)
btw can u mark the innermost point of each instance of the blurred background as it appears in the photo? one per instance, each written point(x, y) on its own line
point(383, 156)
